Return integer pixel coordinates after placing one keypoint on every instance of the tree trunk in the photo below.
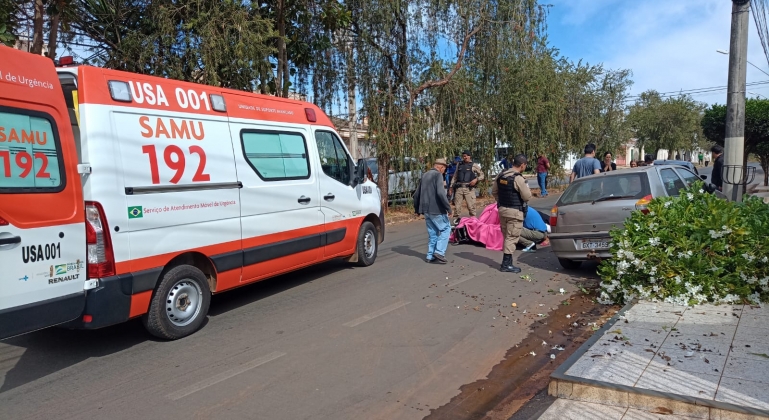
(351, 103)
(53, 35)
(281, 47)
(38, 22)
(765, 166)
(383, 179)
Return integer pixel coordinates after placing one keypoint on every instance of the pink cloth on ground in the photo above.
(484, 229)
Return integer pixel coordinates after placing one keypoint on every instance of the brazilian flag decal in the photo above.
(135, 212)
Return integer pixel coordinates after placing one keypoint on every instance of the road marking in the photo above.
(375, 314)
(224, 376)
(465, 278)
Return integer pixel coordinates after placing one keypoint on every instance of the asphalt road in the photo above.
(394, 340)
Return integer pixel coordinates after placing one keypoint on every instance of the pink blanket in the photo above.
(484, 229)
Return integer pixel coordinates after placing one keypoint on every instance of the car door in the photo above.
(340, 202)
(672, 183)
(42, 216)
(280, 207)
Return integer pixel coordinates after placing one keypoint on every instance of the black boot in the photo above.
(507, 265)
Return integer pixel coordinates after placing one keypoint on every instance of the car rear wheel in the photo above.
(180, 303)
(569, 264)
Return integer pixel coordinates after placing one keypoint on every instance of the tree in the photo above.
(216, 42)
(671, 123)
(756, 130)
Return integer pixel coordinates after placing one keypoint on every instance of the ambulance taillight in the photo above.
(100, 258)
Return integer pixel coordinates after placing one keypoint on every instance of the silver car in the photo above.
(591, 206)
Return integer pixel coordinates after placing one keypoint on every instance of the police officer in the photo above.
(512, 195)
(466, 176)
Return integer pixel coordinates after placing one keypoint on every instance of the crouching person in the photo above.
(512, 194)
(534, 230)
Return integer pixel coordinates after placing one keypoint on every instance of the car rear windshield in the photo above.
(629, 186)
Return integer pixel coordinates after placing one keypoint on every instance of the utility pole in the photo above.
(734, 149)
(351, 100)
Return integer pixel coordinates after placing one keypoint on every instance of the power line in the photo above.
(697, 91)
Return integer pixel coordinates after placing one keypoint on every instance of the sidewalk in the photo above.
(655, 360)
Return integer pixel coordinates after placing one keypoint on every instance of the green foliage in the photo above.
(756, 129)
(672, 123)
(691, 249)
(216, 42)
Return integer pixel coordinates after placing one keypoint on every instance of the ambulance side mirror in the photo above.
(359, 173)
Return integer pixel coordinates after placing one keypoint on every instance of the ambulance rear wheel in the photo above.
(367, 244)
(180, 303)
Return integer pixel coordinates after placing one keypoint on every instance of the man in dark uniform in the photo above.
(512, 194)
(463, 183)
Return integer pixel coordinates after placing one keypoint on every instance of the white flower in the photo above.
(701, 191)
(654, 241)
(653, 270)
(765, 260)
(668, 203)
(651, 213)
(690, 196)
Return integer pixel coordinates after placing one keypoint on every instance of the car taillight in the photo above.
(642, 204)
(100, 258)
(554, 216)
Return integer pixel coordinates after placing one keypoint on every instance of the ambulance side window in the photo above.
(276, 156)
(333, 157)
(30, 156)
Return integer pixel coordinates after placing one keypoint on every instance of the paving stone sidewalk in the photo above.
(660, 361)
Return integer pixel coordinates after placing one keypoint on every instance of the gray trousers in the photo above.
(529, 237)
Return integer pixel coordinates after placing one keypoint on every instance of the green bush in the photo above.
(691, 249)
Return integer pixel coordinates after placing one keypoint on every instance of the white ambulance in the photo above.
(124, 196)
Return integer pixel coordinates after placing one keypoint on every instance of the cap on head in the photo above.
(467, 152)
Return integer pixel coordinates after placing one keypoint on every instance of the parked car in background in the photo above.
(591, 206)
(404, 175)
(684, 163)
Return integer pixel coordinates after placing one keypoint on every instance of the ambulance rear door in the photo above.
(42, 218)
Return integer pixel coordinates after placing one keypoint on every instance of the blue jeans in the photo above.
(541, 176)
(438, 230)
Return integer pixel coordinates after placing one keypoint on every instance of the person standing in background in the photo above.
(716, 178)
(607, 164)
(700, 158)
(430, 200)
(586, 166)
(543, 166)
(466, 177)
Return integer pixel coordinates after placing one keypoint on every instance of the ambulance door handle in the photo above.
(303, 200)
(329, 197)
(10, 241)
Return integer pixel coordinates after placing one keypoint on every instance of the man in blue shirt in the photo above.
(534, 230)
(586, 166)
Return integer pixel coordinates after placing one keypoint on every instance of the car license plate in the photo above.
(594, 244)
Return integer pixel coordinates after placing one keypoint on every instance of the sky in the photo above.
(668, 45)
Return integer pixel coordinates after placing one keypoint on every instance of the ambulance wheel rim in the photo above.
(369, 244)
(183, 302)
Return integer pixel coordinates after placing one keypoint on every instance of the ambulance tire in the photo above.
(180, 303)
(367, 244)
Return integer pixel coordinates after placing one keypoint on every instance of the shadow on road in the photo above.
(53, 349)
(246, 295)
(478, 258)
(407, 251)
(48, 351)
